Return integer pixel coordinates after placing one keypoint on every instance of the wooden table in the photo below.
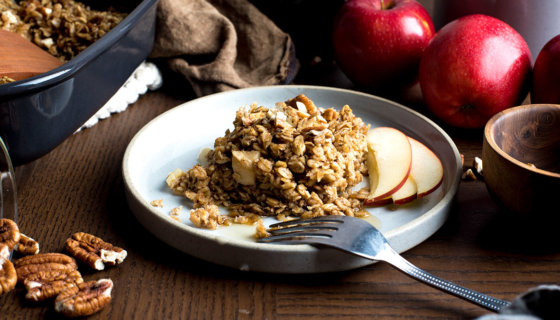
(79, 187)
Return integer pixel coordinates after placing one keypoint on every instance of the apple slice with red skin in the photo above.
(408, 190)
(378, 203)
(426, 170)
(389, 162)
(426, 174)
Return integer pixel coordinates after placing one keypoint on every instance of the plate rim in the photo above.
(448, 196)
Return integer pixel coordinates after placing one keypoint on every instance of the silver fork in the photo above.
(360, 238)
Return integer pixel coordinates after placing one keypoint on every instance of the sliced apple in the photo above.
(243, 163)
(407, 192)
(389, 162)
(426, 170)
(378, 202)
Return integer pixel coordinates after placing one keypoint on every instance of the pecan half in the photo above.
(84, 299)
(4, 252)
(8, 277)
(49, 283)
(9, 233)
(27, 245)
(43, 262)
(94, 251)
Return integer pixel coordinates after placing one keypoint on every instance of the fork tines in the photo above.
(301, 229)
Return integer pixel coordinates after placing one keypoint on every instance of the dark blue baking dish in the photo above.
(38, 113)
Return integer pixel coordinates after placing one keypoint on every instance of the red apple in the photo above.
(546, 74)
(378, 44)
(473, 68)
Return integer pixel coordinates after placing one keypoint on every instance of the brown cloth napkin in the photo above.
(219, 45)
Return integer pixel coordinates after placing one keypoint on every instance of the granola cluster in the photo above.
(6, 79)
(292, 160)
(64, 28)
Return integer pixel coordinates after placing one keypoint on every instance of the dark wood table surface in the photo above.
(79, 187)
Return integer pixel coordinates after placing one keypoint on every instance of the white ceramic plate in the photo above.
(175, 138)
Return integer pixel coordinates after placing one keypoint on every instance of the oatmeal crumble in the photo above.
(208, 217)
(174, 213)
(294, 160)
(157, 203)
(6, 79)
(261, 231)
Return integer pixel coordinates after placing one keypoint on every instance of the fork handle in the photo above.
(485, 301)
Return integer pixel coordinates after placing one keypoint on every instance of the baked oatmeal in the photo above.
(64, 28)
(292, 160)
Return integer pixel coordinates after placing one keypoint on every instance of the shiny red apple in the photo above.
(473, 68)
(378, 44)
(546, 74)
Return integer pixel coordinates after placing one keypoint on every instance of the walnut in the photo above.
(48, 284)
(9, 233)
(94, 251)
(309, 105)
(330, 114)
(29, 265)
(84, 299)
(27, 245)
(8, 276)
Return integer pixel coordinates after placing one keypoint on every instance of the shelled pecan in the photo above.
(27, 245)
(4, 251)
(8, 277)
(48, 284)
(84, 299)
(9, 233)
(43, 262)
(93, 251)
